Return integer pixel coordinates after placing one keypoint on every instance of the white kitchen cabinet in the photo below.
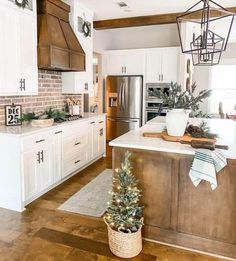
(101, 136)
(80, 82)
(38, 167)
(124, 63)
(44, 158)
(93, 141)
(170, 64)
(18, 51)
(154, 66)
(46, 164)
(162, 65)
(28, 54)
(97, 142)
(31, 171)
(75, 148)
(57, 151)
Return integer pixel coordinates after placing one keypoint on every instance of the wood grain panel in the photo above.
(143, 20)
(179, 213)
(207, 213)
(154, 172)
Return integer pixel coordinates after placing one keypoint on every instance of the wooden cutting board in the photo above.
(163, 135)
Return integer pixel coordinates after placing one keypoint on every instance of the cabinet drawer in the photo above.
(74, 162)
(36, 140)
(79, 129)
(75, 143)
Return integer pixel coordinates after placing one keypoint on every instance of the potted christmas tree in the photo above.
(180, 103)
(124, 214)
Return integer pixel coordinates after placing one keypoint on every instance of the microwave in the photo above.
(150, 87)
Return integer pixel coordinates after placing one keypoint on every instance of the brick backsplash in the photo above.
(50, 95)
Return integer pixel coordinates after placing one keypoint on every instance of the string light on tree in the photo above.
(124, 213)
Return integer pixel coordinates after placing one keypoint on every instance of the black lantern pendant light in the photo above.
(204, 32)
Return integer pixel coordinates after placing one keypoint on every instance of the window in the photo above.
(223, 84)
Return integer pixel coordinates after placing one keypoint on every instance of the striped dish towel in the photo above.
(206, 165)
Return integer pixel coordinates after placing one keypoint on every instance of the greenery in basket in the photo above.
(179, 99)
(57, 115)
(124, 213)
(202, 131)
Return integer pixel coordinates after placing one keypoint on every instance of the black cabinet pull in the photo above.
(101, 132)
(39, 141)
(24, 84)
(92, 122)
(77, 161)
(57, 132)
(38, 159)
(100, 121)
(77, 143)
(42, 156)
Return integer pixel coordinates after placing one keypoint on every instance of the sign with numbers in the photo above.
(13, 113)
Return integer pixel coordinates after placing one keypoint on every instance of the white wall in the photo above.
(136, 37)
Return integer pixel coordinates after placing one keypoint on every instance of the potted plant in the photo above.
(124, 214)
(180, 103)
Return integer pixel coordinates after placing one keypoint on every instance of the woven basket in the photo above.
(124, 245)
(42, 123)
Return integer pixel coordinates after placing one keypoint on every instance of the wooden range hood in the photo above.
(58, 46)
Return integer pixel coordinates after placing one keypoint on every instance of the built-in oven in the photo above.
(150, 87)
(154, 106)
(154, 110)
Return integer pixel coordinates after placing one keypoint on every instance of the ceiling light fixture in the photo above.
(204, 32)
(122, 4)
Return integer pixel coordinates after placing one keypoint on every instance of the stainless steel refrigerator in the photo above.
(123, 104)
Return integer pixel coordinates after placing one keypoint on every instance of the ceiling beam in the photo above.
(143, 20)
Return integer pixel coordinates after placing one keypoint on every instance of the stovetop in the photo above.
(70, 118)
(73, 117)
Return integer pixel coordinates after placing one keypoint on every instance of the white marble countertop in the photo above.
(28, 129)
(226, 129)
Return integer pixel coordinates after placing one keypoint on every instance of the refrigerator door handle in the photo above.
(123, 97)
(126, 121)
(120, 97)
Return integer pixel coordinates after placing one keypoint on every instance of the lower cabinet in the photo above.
(57, 153)
(101, 134)
(50, 157)
(93, 141)
(38, 170)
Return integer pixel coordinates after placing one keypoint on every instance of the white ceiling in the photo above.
(108, 9)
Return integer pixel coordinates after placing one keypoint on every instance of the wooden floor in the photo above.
(44, 233)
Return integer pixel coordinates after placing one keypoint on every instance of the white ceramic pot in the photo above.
(176, 122)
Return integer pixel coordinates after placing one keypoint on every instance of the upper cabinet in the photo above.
(18, 50)
(162, 65)
(124, 63)
(80, 82)
(157, 65)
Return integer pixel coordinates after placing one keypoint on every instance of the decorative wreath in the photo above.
(21, 3)
(86, 28)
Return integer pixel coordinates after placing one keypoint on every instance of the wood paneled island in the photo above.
(176, 212)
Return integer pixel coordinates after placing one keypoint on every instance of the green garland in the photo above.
(21, 4)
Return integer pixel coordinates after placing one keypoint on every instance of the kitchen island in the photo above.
(176, 212)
